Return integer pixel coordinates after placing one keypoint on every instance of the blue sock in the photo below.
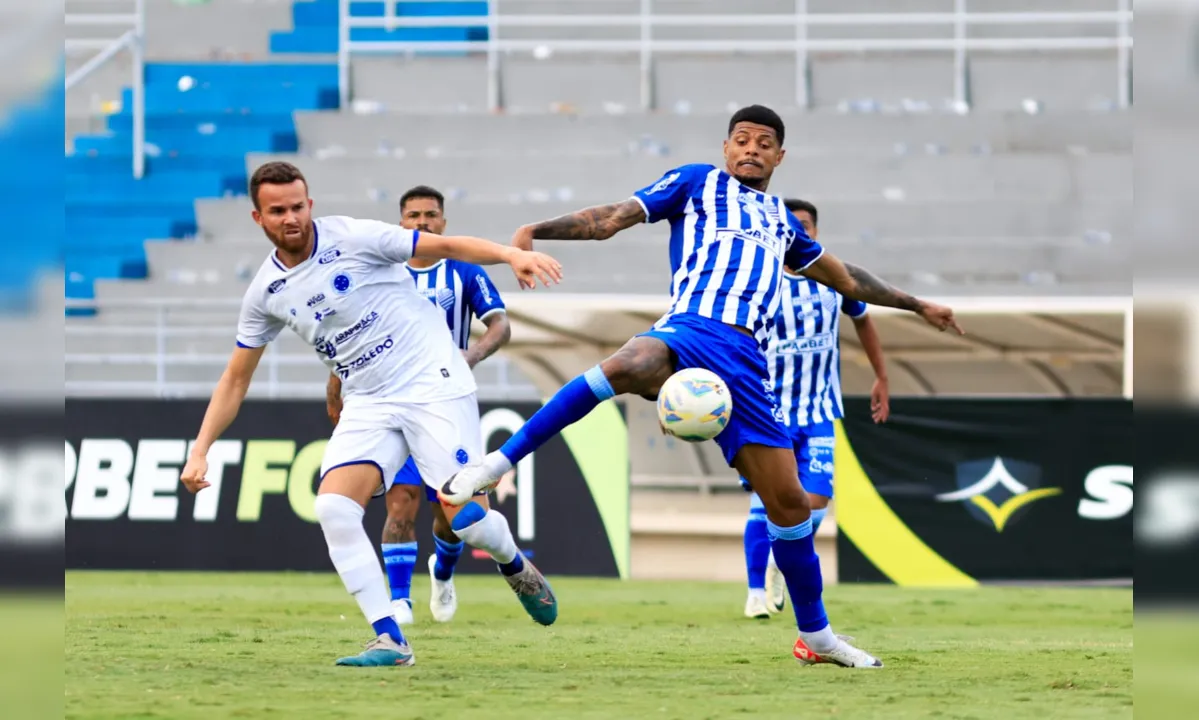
(795, 555)
(399, 558)
(447, 557)
(757, 548)
(510, 569)
(817, 518)
(388, 626)
(569, 405)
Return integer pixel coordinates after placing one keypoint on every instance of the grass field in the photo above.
(143, 645)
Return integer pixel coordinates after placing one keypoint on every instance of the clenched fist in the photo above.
(194, 472)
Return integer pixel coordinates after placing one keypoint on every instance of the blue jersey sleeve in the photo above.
(803, 250)
(482, 295)
(853, 308)
(668, 195)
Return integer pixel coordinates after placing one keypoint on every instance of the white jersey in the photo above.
(354, 302)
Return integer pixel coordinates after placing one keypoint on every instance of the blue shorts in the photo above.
(700, 342)
(409, 475)
(813, 445)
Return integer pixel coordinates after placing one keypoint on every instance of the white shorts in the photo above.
(442, 437)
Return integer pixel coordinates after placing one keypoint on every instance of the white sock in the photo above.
(496, 464)
(759, 593)
(821, 641)
(492, 534)
(353, 554)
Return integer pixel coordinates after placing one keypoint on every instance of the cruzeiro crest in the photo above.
(994, 490)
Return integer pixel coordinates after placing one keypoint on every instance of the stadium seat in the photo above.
(202, 119)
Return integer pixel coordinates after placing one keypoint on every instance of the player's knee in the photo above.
(818, 502)
(787, 506)
(635, 370)
(338, 515)
(403, 501)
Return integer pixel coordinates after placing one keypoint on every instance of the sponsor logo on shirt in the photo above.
(318, 298)
(346, 369)
(276, 286)
(664, 183)
(827, 299)
(767, 241)
(484, 290)
(815, 343)
(326, 348)
(356, 328)
(328, 256)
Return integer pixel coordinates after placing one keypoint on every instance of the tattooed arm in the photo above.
(861, 284)
(594, 223)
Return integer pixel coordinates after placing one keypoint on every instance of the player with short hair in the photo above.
(337, 283)
(729, 240)
(460, 290)
(804, 358)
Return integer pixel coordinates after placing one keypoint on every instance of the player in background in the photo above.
(337, 283)
(804, 357)
(460, 290)
(728, 242)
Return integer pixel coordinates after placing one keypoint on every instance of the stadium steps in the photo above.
(202, 119)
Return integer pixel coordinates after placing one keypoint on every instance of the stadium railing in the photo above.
(154, 318)
(159, 318)
(133, 40)
(801, 45)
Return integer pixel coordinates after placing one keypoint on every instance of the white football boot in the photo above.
(443, 599)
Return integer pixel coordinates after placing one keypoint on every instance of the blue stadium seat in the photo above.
(197, 141)
(315, 25)
(198, 133)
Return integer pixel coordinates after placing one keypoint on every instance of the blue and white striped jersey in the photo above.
(728, 244)
(804, 354)
(460, 289)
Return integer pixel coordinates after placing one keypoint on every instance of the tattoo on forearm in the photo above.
(593, 223)
(872, 289)
(397, 530)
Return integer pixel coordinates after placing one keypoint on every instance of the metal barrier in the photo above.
(157, 324)
(133, 40)
(1120, 19)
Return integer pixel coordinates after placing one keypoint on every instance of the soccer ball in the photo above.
(694, 405)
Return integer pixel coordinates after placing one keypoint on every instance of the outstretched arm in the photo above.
(861, 284)
(528, 266)
(594, 223)
(222, 409)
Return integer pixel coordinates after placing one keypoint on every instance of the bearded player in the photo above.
(459, 290)
(337, 282)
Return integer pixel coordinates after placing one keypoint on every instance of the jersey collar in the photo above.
(316, 241)
(431, 268)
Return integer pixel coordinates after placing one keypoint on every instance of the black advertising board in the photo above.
(956, 492)
(127, 510)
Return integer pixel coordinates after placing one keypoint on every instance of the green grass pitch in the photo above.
(193, 645)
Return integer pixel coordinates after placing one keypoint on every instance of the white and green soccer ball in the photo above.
(694, 405)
